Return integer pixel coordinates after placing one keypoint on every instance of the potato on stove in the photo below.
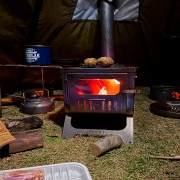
(105, 61)
(90, 62)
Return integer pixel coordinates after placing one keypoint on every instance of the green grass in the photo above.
(153, 136)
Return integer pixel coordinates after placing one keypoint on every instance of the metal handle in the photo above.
(131, 91)
(66, 90)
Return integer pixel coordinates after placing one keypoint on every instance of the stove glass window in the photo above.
(97, 86)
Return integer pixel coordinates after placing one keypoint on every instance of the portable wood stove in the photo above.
(99, 94)
(103, 96)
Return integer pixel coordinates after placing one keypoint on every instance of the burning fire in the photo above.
(98, 86)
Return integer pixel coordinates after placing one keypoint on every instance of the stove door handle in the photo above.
(66, 91)
(130, 91)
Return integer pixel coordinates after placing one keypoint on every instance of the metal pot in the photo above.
(40, 105)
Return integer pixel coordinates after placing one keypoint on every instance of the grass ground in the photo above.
(153, 136)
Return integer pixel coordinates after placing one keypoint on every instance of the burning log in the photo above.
(105, 144)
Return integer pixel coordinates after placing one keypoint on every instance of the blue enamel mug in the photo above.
(38, 54)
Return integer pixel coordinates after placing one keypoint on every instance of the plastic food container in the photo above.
(63, 171)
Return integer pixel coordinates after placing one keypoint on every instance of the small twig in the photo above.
(167, 157)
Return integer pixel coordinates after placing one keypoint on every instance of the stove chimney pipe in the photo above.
(106, 18)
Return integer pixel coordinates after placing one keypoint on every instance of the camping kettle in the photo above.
(40, 105)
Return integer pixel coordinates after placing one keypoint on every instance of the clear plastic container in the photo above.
(63, 171)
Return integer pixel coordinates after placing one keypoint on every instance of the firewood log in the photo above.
(26, 140)
(17, 125)
(105, 144)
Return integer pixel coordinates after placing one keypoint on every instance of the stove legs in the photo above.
(127, 134)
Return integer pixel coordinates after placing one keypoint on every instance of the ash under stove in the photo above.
(99, 101)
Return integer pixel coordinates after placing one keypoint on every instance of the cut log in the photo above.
(105, 144)
(17, 125)
(26, 140)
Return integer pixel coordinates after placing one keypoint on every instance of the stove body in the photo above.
(99, 93)
(99, 90)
